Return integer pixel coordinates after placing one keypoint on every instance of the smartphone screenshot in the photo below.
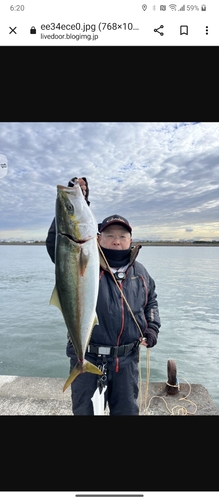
(109, 23)
(100, 23)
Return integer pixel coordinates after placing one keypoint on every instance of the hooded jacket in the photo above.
(116, 324)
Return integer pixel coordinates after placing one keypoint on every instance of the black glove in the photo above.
(151, 336)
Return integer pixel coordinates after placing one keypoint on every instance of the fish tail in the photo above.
(81, 368)
(74, 373)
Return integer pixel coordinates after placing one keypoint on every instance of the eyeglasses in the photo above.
(112, 237)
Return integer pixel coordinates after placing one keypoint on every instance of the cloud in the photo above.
(164, 177)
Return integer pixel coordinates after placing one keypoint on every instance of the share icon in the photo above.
(157, 30)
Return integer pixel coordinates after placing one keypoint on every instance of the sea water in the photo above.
(33, 335)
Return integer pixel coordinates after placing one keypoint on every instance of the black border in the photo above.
(109, 83)
(109, 454)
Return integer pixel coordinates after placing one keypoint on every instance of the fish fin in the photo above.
(55, 299)
(86, 367)
(89, 367)
(83, 261)
(96, 322)
(74, 373)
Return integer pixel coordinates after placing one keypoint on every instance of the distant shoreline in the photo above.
(143, 243)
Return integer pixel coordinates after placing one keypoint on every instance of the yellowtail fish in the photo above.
(76, 272)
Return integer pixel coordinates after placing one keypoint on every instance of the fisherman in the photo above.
(127, 312)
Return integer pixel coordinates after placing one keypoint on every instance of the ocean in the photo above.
(33, 335)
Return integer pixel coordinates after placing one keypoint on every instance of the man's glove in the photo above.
(151, 337)
(84, 186)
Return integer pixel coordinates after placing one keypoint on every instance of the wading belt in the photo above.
(114, 351)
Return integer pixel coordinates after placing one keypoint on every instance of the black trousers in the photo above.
(122, 387)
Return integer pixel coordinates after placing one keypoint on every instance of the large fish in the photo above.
(76, 272)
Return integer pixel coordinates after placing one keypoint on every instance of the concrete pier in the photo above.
(44, 396)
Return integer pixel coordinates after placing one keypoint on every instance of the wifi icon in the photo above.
(173, 6)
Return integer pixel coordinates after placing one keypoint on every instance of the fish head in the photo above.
(73, 216)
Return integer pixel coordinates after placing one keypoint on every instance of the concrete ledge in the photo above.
(44, 396)
(33, 396)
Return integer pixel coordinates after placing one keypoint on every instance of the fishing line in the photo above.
(134, 318)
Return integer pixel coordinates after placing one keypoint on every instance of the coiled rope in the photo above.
(181, 410)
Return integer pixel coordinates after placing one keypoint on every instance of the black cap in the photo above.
(114, 219)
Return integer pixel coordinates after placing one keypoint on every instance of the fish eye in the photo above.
(70, 207)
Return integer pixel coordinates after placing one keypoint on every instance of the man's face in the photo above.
(115, 237)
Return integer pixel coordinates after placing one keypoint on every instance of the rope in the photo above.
(170, 385)
(181, 409)
(134, 318)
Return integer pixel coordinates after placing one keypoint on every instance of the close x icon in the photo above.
(13, 30)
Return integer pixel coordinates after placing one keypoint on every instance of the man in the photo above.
(127, 311)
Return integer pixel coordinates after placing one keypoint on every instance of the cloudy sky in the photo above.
(162, 176)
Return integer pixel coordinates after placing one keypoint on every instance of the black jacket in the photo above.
(51, 240)
(116, 325)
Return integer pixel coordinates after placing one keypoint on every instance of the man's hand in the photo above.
(151, 337)
(84, 186)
